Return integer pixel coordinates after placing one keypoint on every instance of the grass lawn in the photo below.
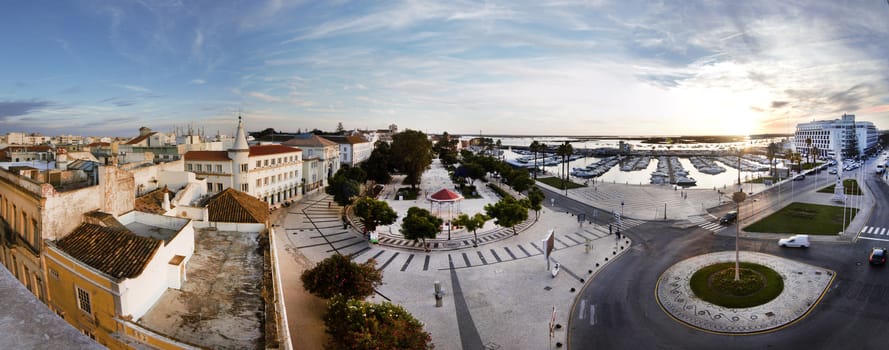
(716, 284)
(850, 186)
(557, 182)
(408, 194)
(760, 180)
(469, 192)
(804, 218)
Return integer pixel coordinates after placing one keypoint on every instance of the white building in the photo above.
(272, 173)
(828, 136)
(327, 152)
(353, 149)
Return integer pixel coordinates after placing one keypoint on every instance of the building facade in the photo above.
(272, 173)
(35, 206)
(327, 152)
(353, 149)
(829, 136)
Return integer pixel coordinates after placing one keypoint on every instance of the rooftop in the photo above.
(116, 252)
(220, 305)
(232, 205)
(310, 141)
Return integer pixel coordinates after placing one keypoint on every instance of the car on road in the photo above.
(799, 177)
(796, 241)
(729, 217)
(832, 171)
(877, 256)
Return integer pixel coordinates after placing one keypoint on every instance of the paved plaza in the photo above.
(500, 294)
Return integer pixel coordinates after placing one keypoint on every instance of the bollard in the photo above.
(439, 293)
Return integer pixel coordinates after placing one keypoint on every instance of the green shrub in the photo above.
(356, 324)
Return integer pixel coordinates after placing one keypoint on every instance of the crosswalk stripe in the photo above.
(868, 229)
(883, 231)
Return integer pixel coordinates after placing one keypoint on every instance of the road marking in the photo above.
(867, 229)
(582, 308)
(875, 239)
(883, 231)
(592, 314)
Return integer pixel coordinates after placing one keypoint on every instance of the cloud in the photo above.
(21, 107)
(197, 82)
(264, 97)
(779, 104)
(135, 88)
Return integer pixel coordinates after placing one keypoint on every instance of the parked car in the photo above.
(799, 177)
(795, 241)
(729, 217)
(877, 256)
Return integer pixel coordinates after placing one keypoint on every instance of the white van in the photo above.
(880, 168)
(795, 241)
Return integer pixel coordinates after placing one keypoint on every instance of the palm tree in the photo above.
(534, 148)
(796, 157)
(770, 154)
(565, 150)
(808, 149)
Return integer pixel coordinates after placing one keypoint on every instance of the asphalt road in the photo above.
(854, 311)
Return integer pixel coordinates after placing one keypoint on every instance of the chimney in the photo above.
(166, 201)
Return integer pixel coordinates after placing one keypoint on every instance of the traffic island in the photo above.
(754, 306)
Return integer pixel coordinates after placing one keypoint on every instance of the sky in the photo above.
(561, 67)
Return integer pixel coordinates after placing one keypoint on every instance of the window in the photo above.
(258, 183)
(266, 162)
(265, 180)
(273, 161)
(244, 167)
(244, 188)
(218, 168)
(197, 167)
(219, 187)
(258, 164)
(189, 167)
(83, 301)
(210, 186)
(54, 274)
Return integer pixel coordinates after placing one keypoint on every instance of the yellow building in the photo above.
(109, 271)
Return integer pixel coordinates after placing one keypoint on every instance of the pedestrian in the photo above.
(609, 229)
(328, 204)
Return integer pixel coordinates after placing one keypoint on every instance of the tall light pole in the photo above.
(738, 197)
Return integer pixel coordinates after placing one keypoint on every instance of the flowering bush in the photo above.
(338, 275)
(356, 324)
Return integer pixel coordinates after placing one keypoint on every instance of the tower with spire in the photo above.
(239, 154)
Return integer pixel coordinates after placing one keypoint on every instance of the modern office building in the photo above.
(829, 136)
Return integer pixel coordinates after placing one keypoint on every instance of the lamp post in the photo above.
(738, 197)
(620, 223)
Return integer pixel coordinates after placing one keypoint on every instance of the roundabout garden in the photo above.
(716, 284)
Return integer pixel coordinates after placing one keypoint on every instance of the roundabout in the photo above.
(701, 292)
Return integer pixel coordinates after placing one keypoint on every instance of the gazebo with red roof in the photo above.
(444, 196)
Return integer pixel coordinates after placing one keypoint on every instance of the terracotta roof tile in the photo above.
(446, 195)
(345, 139)
(116, 252)
(217, 156)
(263, 150)
(140, 138)
(312, 141)
(232, 205)
(153, 202)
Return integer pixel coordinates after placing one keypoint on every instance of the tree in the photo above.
(472, 223)
(446, 148)
(535, 199)
(355, 173)
(411, 153)
(373, 213)
(771, 151)
(535, 147)
(508, 212)
(808, 149)
(339, 128)
(565, 151)
(474, 171)
(338, 275)
(342, 188)
(796, 157)
(357, 324)
(420, 224)
(377, 166)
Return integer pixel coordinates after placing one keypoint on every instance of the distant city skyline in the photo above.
(600, 67)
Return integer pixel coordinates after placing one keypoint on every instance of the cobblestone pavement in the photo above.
(804, 285)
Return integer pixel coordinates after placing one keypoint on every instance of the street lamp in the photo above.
(620, 222)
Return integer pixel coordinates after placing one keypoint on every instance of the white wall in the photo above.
(139, 294)
(175, 179)
(232, 226)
